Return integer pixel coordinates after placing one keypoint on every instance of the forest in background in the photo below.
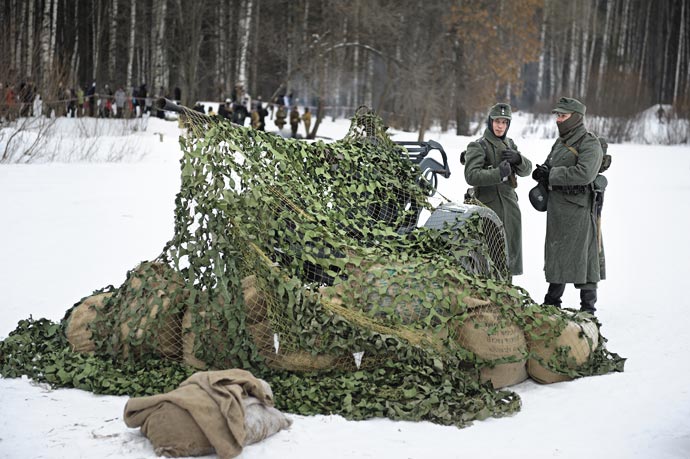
(414, 62)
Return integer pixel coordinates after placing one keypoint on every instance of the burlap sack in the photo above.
(77, 330)
(210, 412)
(189, 343)
(476, 335)
(286, 359)
(166, 340)
(256, 309)
(173, 433)
(575, 335)
(256, 303)
(261, 421)
(150, 305)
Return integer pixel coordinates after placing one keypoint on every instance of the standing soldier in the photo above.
(572, 253)
(281, 114)
(306, 118)
(294, 121)
(491, 164)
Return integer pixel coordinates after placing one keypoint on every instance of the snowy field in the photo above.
(68, 228)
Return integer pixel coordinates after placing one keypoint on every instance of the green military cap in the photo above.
(568, 105)
(500, 111)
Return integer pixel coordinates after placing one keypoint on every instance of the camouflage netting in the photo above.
(303, 263)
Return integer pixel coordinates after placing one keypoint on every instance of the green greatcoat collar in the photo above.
(574, 135)
(499, 144)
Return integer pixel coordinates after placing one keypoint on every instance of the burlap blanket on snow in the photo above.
(206, 413)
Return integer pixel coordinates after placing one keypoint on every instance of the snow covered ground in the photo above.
(70, 228)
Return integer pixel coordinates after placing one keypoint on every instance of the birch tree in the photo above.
(112, 35)
(158, 52)
(53, 33)
(679, 62)
(245, 28)
(132, 38)
(604, 49)
(30, 39)
(45, 40)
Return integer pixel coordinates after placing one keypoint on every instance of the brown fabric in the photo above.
(477, 334)
(213, 399)
(174, 433)
(261, 421)
(77, 331)
(575, 336)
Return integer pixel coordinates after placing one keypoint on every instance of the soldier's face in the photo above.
(560, 117)
(499, 125)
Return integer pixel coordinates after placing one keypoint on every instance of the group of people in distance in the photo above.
(573, 251)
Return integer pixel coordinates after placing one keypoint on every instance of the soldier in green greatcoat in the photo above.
(572, 253)
(491, 165)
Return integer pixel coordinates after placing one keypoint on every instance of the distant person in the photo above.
(120, 99)
(294, 121)
(491, 166)
(223, 110)
(142, 98)
(239, 113)
(91, 99)
(210, 111)
(573, 247)
(263, 114)
(80, 101)
(10, 102)
(306, 119)
(254, 116)
(71, 103)
(281, 117)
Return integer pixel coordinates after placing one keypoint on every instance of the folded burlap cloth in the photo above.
(213, 399)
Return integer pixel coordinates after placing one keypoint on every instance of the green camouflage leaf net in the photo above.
(303, 263)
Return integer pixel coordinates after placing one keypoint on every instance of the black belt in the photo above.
(571, 189)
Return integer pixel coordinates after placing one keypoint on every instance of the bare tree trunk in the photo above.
(542, 56)
(245, 28)
(20, 38)
(10, 33)
(664, 70)
(158, 57)
(304, 90)
(112, 50)
(572, 60)
(679, 61)
(355, 60)
(622, 35)
(590, 59)
(96, 39)
(220, 53)
(584, 68)
(75, 51)
(368, 83)
(255, 48)
(604, 49)
(45, 41)
(643, 53)
(132, 37)
(53, 33)
(30, 40)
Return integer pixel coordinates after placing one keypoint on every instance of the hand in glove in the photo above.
(504, 169)
(541, 174)
(512, 156)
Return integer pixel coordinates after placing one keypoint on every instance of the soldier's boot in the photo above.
(554, 294)
(588, 297)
